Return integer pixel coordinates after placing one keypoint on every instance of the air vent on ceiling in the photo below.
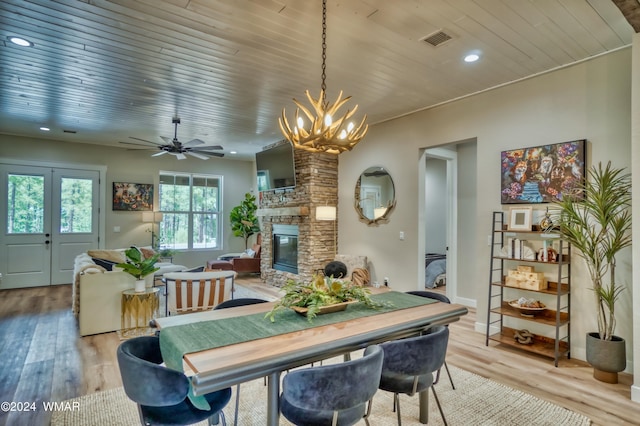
(437, 38)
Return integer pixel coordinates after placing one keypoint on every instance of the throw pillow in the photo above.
(112, 255)
(106, 264)
(147, 253)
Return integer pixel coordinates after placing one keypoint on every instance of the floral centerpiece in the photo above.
(319, 293)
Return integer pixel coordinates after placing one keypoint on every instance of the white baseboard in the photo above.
(635, 393)
(471, 303)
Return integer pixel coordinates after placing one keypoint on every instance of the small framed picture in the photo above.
(520, 219)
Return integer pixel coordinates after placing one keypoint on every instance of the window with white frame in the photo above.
(192, 211)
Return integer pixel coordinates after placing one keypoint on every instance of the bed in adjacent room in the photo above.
(435, 270)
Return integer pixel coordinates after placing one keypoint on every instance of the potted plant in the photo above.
(599, 227)
(311, 299)
(244, 222)
(139, 267)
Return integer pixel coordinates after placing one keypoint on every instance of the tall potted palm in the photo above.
(244, 222)
(599, 227)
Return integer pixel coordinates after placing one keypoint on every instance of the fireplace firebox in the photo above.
(285, 248)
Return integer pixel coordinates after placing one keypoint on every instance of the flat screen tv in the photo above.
(276, 168)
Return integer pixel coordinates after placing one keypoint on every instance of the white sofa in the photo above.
(97, 293)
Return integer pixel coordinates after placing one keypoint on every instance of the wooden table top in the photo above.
(244, 361)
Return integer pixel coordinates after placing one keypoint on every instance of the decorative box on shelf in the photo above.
(526, 278)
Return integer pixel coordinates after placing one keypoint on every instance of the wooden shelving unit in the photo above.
(557, 342)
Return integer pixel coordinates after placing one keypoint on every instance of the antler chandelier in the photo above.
(325, 133)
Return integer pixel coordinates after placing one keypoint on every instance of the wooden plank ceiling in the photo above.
(112, 70)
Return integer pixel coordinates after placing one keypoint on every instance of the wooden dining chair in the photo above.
(189, 292)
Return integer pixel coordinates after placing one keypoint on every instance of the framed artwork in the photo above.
(542, 174)
(519, 219)
(132, 196)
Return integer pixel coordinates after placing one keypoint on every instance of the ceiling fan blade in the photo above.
(168, 140)
(157, 154)
(136, 144)
(193, 142)
(180, 156)
(195, 154)
(209, 148)
(144, 140)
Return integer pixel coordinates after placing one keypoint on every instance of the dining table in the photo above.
(222, 348)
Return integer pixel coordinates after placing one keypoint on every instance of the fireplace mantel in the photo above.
(284, 211)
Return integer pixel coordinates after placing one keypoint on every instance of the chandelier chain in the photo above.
(324, 45)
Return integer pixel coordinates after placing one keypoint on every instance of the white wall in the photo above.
(589, 101)
(139, 167)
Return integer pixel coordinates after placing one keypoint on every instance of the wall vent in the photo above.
(438, 38)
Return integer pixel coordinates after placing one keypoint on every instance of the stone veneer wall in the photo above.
(316, 185)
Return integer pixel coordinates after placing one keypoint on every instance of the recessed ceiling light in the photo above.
(20, 41)
(44, 129)
(471, 57)
(233, 152)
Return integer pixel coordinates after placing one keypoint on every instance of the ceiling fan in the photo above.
(179, 149)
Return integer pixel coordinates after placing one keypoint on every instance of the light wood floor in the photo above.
(43, 359)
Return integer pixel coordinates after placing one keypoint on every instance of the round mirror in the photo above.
(375, 196)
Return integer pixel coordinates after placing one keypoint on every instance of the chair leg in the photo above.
(396, 402)
(446, 367)
(435, 395)
(366, 415)
(215, 419)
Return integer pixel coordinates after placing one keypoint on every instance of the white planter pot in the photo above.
(141, 286)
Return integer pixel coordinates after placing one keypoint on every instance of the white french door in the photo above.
(48, 216)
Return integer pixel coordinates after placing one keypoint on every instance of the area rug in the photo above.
(475, 401)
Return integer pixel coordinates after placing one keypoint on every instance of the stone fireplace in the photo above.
(316, 185)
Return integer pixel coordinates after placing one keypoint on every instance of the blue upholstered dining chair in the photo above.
(160, 392)
(334, 394)
(409, 364)
(444, 299)
(232, 303)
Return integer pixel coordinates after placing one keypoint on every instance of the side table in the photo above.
(137, 310)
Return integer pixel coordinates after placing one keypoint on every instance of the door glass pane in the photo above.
(75, 205)
(25, 204)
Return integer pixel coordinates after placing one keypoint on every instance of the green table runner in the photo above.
(179, 340)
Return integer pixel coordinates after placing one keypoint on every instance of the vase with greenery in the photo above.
(244, 222)
(598, 224)
(139, 267)
(320, 292)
